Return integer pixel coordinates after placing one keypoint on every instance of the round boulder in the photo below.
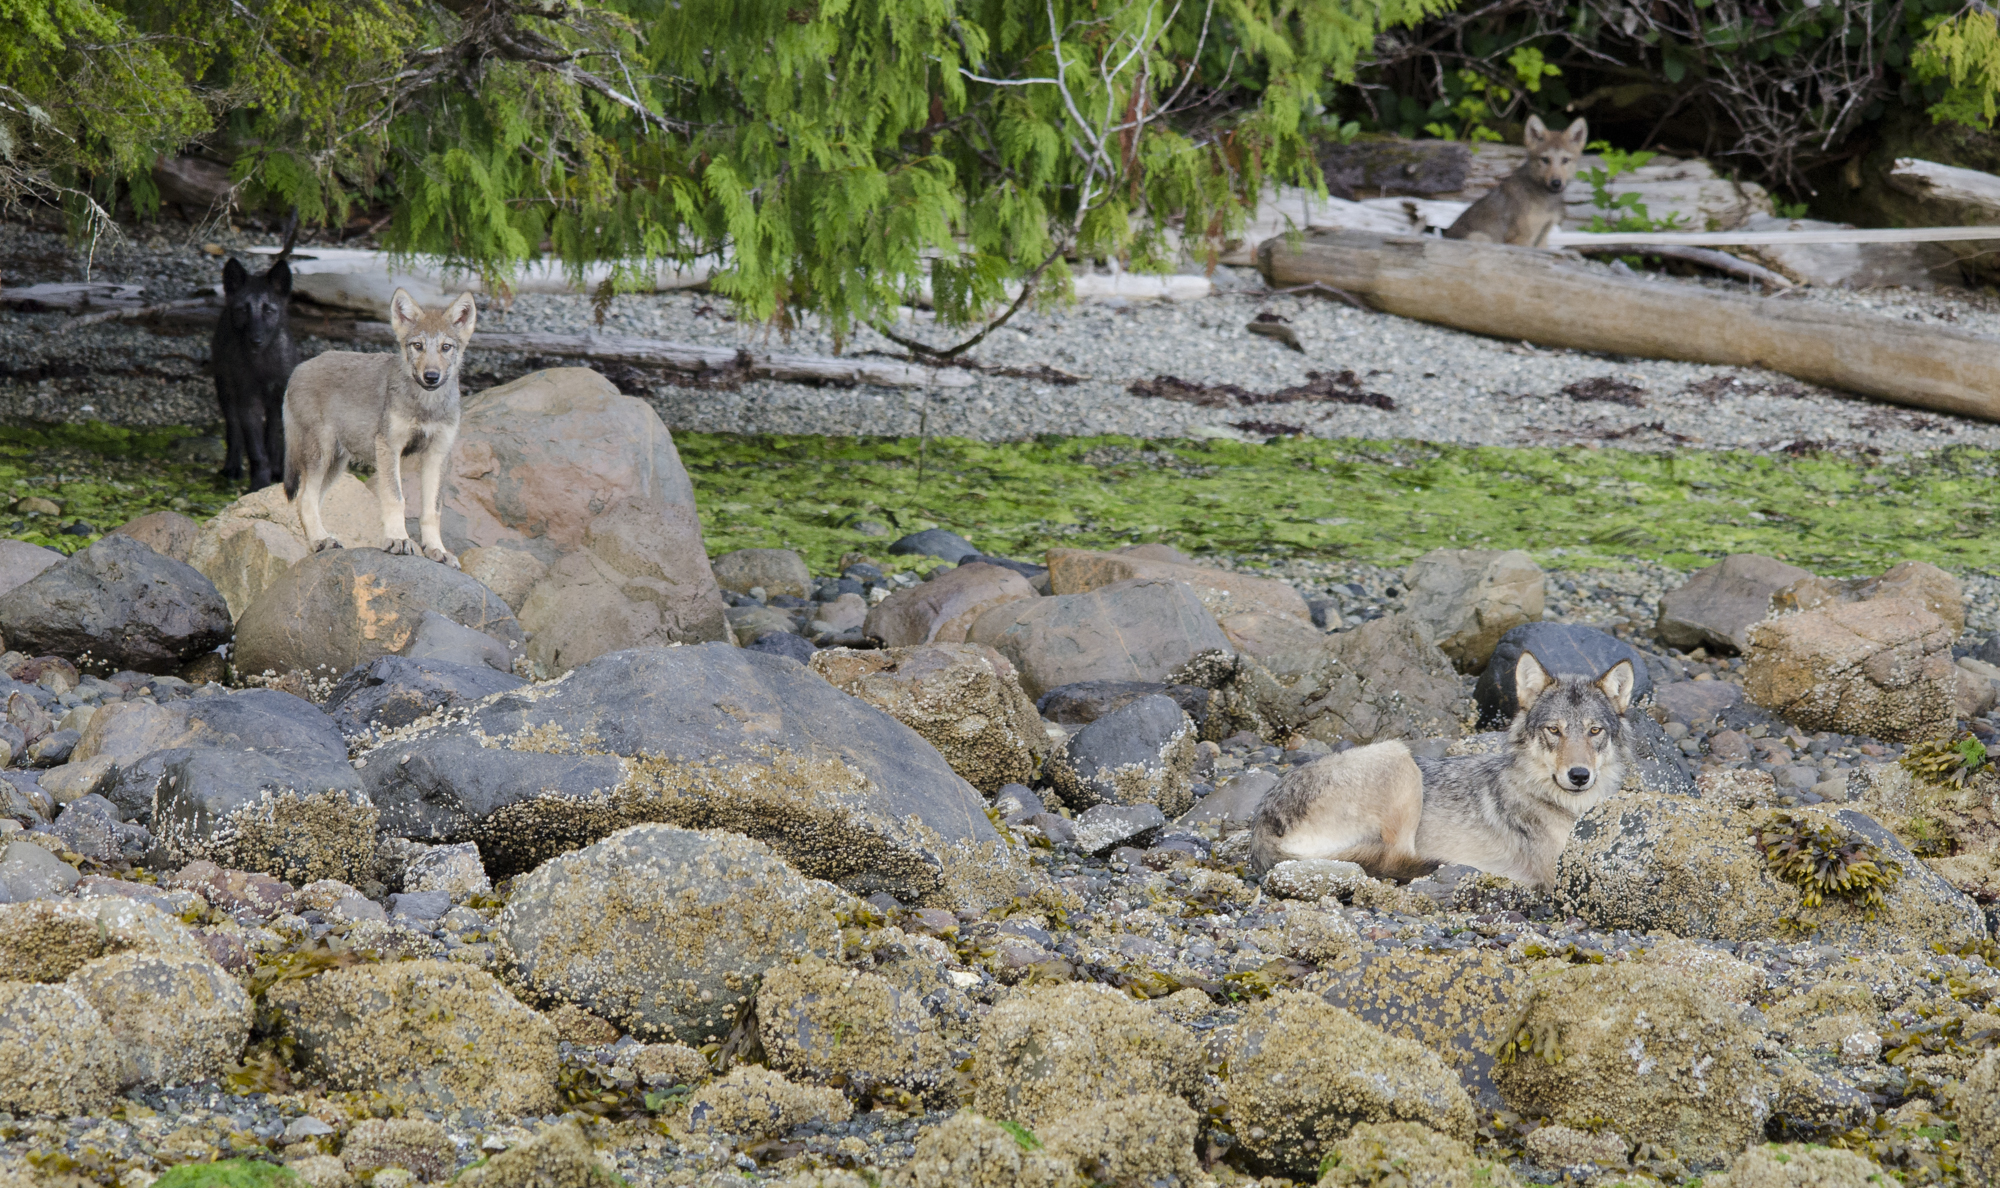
(1303, 1075)
(344, 607)
(445, 1034)
(116, 605)
(1142, 753)
(56, 1056)
(1651, 1049)
(665, 932)
(1048, 1052)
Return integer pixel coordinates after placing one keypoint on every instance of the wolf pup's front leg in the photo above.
(436, 453)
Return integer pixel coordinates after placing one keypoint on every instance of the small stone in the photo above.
(1099, 829)
(1312, 879)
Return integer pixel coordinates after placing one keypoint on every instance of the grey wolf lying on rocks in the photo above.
(1508, 813)
(388, 407)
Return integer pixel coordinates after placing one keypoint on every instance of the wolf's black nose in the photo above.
(432, 377)
(1578, 776)
(1555, 187)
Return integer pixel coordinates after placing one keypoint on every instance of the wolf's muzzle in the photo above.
(1576, 779)
(1557, 187)
(431, 379)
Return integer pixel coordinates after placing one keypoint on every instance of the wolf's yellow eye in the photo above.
(1555, 730)
(1596, 730)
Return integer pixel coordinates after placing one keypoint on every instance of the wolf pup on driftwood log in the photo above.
(389, 407)
(1527, 206)
(1507, 814)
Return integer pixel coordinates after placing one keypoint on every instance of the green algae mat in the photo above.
(1378, 502)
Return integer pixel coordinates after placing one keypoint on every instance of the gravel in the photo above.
(1446, 386)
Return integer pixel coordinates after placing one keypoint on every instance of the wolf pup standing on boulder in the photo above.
(1527, 206)
(346, 403)
(253, 357)
(1507, 814)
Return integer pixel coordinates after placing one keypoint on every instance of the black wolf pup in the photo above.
(254, 356)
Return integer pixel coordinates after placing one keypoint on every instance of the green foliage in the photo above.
(230, 1173)
(1962, 52)
(841, 154)
(1023, 1137)
(1620, 212)
(1776, 86)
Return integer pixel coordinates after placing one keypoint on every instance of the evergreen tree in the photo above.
(840, 153)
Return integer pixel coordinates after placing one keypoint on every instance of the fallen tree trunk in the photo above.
(1524, 294)
(678, 356)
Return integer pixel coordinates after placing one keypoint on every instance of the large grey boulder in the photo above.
(266, 721)
(539, 458)
(342, 607)
(641, 580)
(255, 780)
(1142, 753)
(1717, 606)
(708, 736)
(287, 814)
(1137, 630)
(1564, 650)
(116, 605)
(1469, 598)
(665, 932)
(393, 691)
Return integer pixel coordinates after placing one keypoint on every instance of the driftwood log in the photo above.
(678, 356)
(1523, 294)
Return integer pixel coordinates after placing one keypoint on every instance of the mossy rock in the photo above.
(1694, 867)
(1303, 1074)
(1651, 1048)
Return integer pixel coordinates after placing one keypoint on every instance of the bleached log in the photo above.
(71, 297)
(1947, 183)
(1524, 294)
(680, 356)
(1709, 258)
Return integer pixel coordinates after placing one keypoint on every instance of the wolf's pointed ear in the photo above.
(404, 311)
(463, 313)
(1536, 133)
(1578, 133)
(280, 277)
(1530, 678)
(233, 275)
(1617, 684)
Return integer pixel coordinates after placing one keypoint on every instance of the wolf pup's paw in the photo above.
(443, 557)
(401, 548)
(322, 545)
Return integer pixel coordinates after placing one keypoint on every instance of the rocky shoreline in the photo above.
(602, 856)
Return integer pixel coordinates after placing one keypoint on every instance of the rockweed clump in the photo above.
(1823, 864)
